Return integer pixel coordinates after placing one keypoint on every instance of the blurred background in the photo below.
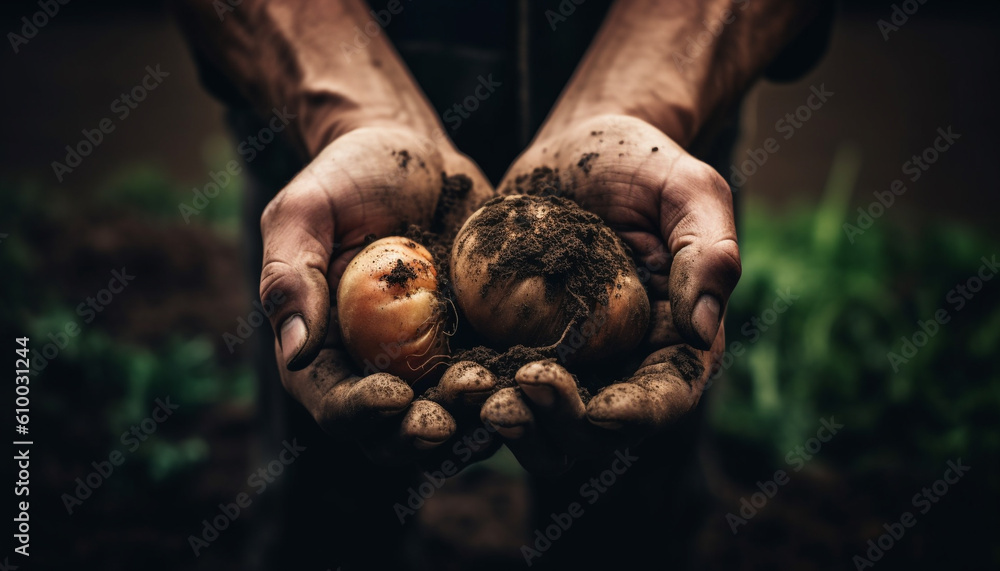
(859, 294)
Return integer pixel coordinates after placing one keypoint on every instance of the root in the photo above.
(443, 358)
(574, 322)
(453, 316)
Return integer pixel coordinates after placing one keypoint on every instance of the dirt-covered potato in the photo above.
(391, 314)
(543, 272)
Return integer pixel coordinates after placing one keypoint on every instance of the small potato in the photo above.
(391, 315)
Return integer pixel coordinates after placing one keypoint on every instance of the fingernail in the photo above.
(293, 337)
(542, 395)
(511, 432)
(705, 318)
(422, 444)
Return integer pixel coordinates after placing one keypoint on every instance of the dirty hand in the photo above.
(676, 214)
(372, 180)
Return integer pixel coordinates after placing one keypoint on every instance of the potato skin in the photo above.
(390, 312)
(614, 328)
(517, 312)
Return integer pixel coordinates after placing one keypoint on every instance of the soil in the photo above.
(574, 252)
(400, 275)
(543, 181)
(404, 158)
(454, 189)
(584, 162)
(437, 239)
(505, 365)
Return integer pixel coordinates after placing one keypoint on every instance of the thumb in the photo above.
(298, 243)
(705, 262)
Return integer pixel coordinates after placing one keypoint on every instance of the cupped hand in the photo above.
(373, 180)
(676, 214)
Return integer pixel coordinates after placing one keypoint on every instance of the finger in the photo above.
(426, 425)
(652, 261)
(465, 383)
(551, 389)
(559, 410)
(408, 438)
(298, 245)
(662, 331)
(471, 443)
(697, 224)
(509, 413)
(667, 386)
(368, 399)
(375, 411)
(336, 397)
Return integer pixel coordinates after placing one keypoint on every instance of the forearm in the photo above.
(676, 64)
(309, 58)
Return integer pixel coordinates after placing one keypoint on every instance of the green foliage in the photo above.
(102, 380)
(117, 384)
(828, 353)
(147, 190)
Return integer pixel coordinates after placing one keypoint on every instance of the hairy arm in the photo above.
(357, 111)
(315, 58)
(677, 64)
(653, 81)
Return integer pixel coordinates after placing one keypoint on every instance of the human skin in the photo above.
(352, 112)
(638, 100)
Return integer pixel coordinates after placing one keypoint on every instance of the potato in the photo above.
(542, 272)
(392, 318)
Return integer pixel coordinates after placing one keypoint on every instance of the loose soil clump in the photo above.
(400, 275)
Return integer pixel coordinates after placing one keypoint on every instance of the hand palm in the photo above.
(370, 181)
(675, 213)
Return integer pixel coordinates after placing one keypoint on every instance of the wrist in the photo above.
(665, 106)
(677, 65)
(304, 59)
(322, 117)
(323, 126)
(678, 120)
